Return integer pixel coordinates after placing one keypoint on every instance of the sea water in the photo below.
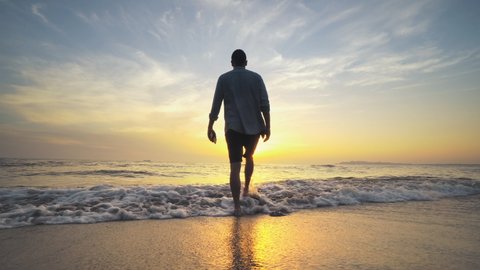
(85, 191)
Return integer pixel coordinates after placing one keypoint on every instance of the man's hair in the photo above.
(239, 58)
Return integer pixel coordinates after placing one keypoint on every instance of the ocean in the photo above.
(38, 191)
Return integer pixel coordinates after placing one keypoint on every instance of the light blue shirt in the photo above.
(245, 97)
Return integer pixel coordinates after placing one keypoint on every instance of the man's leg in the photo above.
(250, 145)
(249, 166)
(235, 186)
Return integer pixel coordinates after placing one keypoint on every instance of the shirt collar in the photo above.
(238, 67)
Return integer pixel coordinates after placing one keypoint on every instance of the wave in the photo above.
(119, 173)
(322, 166)
(23, 206)
(8, 162)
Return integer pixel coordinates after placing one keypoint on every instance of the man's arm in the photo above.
(213, 116)
(265, 109)
(210, 132)
(266, 134)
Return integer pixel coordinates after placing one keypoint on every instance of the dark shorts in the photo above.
(237, 141)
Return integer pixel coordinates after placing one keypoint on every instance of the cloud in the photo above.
(382, 68)
(37, 11)
(360, 47)
(91, 18)
(300, 74)
(220, 4)
(103, 92)
(360, 68)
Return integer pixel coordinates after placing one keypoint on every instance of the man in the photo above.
(247, 117)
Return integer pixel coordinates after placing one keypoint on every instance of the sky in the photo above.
(392, 81)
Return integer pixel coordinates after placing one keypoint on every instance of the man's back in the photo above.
(245, 98)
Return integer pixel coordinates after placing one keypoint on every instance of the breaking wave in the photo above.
(23, 206)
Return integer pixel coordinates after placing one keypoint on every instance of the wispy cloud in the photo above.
(91, 18)
(360, 68)
(37, 11)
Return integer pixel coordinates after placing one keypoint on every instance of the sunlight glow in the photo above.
(346, 81)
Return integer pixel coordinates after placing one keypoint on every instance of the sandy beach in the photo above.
(412, 235)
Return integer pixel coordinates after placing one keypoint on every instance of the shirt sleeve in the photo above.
(217, 101)
(264, 102)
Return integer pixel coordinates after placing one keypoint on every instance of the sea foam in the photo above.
(22, 206)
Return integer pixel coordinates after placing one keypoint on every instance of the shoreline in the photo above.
(439, 234)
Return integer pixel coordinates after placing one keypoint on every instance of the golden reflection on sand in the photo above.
(242, 241)
(256, 242)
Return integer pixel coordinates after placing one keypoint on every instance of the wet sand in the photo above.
(440, 234)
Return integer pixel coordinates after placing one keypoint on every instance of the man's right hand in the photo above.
(212, 136)
(266, 135)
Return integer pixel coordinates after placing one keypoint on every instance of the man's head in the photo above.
(239, 58)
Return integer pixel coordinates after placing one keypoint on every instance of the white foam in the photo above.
(20, 206)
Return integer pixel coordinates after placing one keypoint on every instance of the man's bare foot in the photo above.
(237, 212)
(253, 194)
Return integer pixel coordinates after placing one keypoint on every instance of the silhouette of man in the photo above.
(247, 117)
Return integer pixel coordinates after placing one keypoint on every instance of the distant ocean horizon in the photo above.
(59, 191)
